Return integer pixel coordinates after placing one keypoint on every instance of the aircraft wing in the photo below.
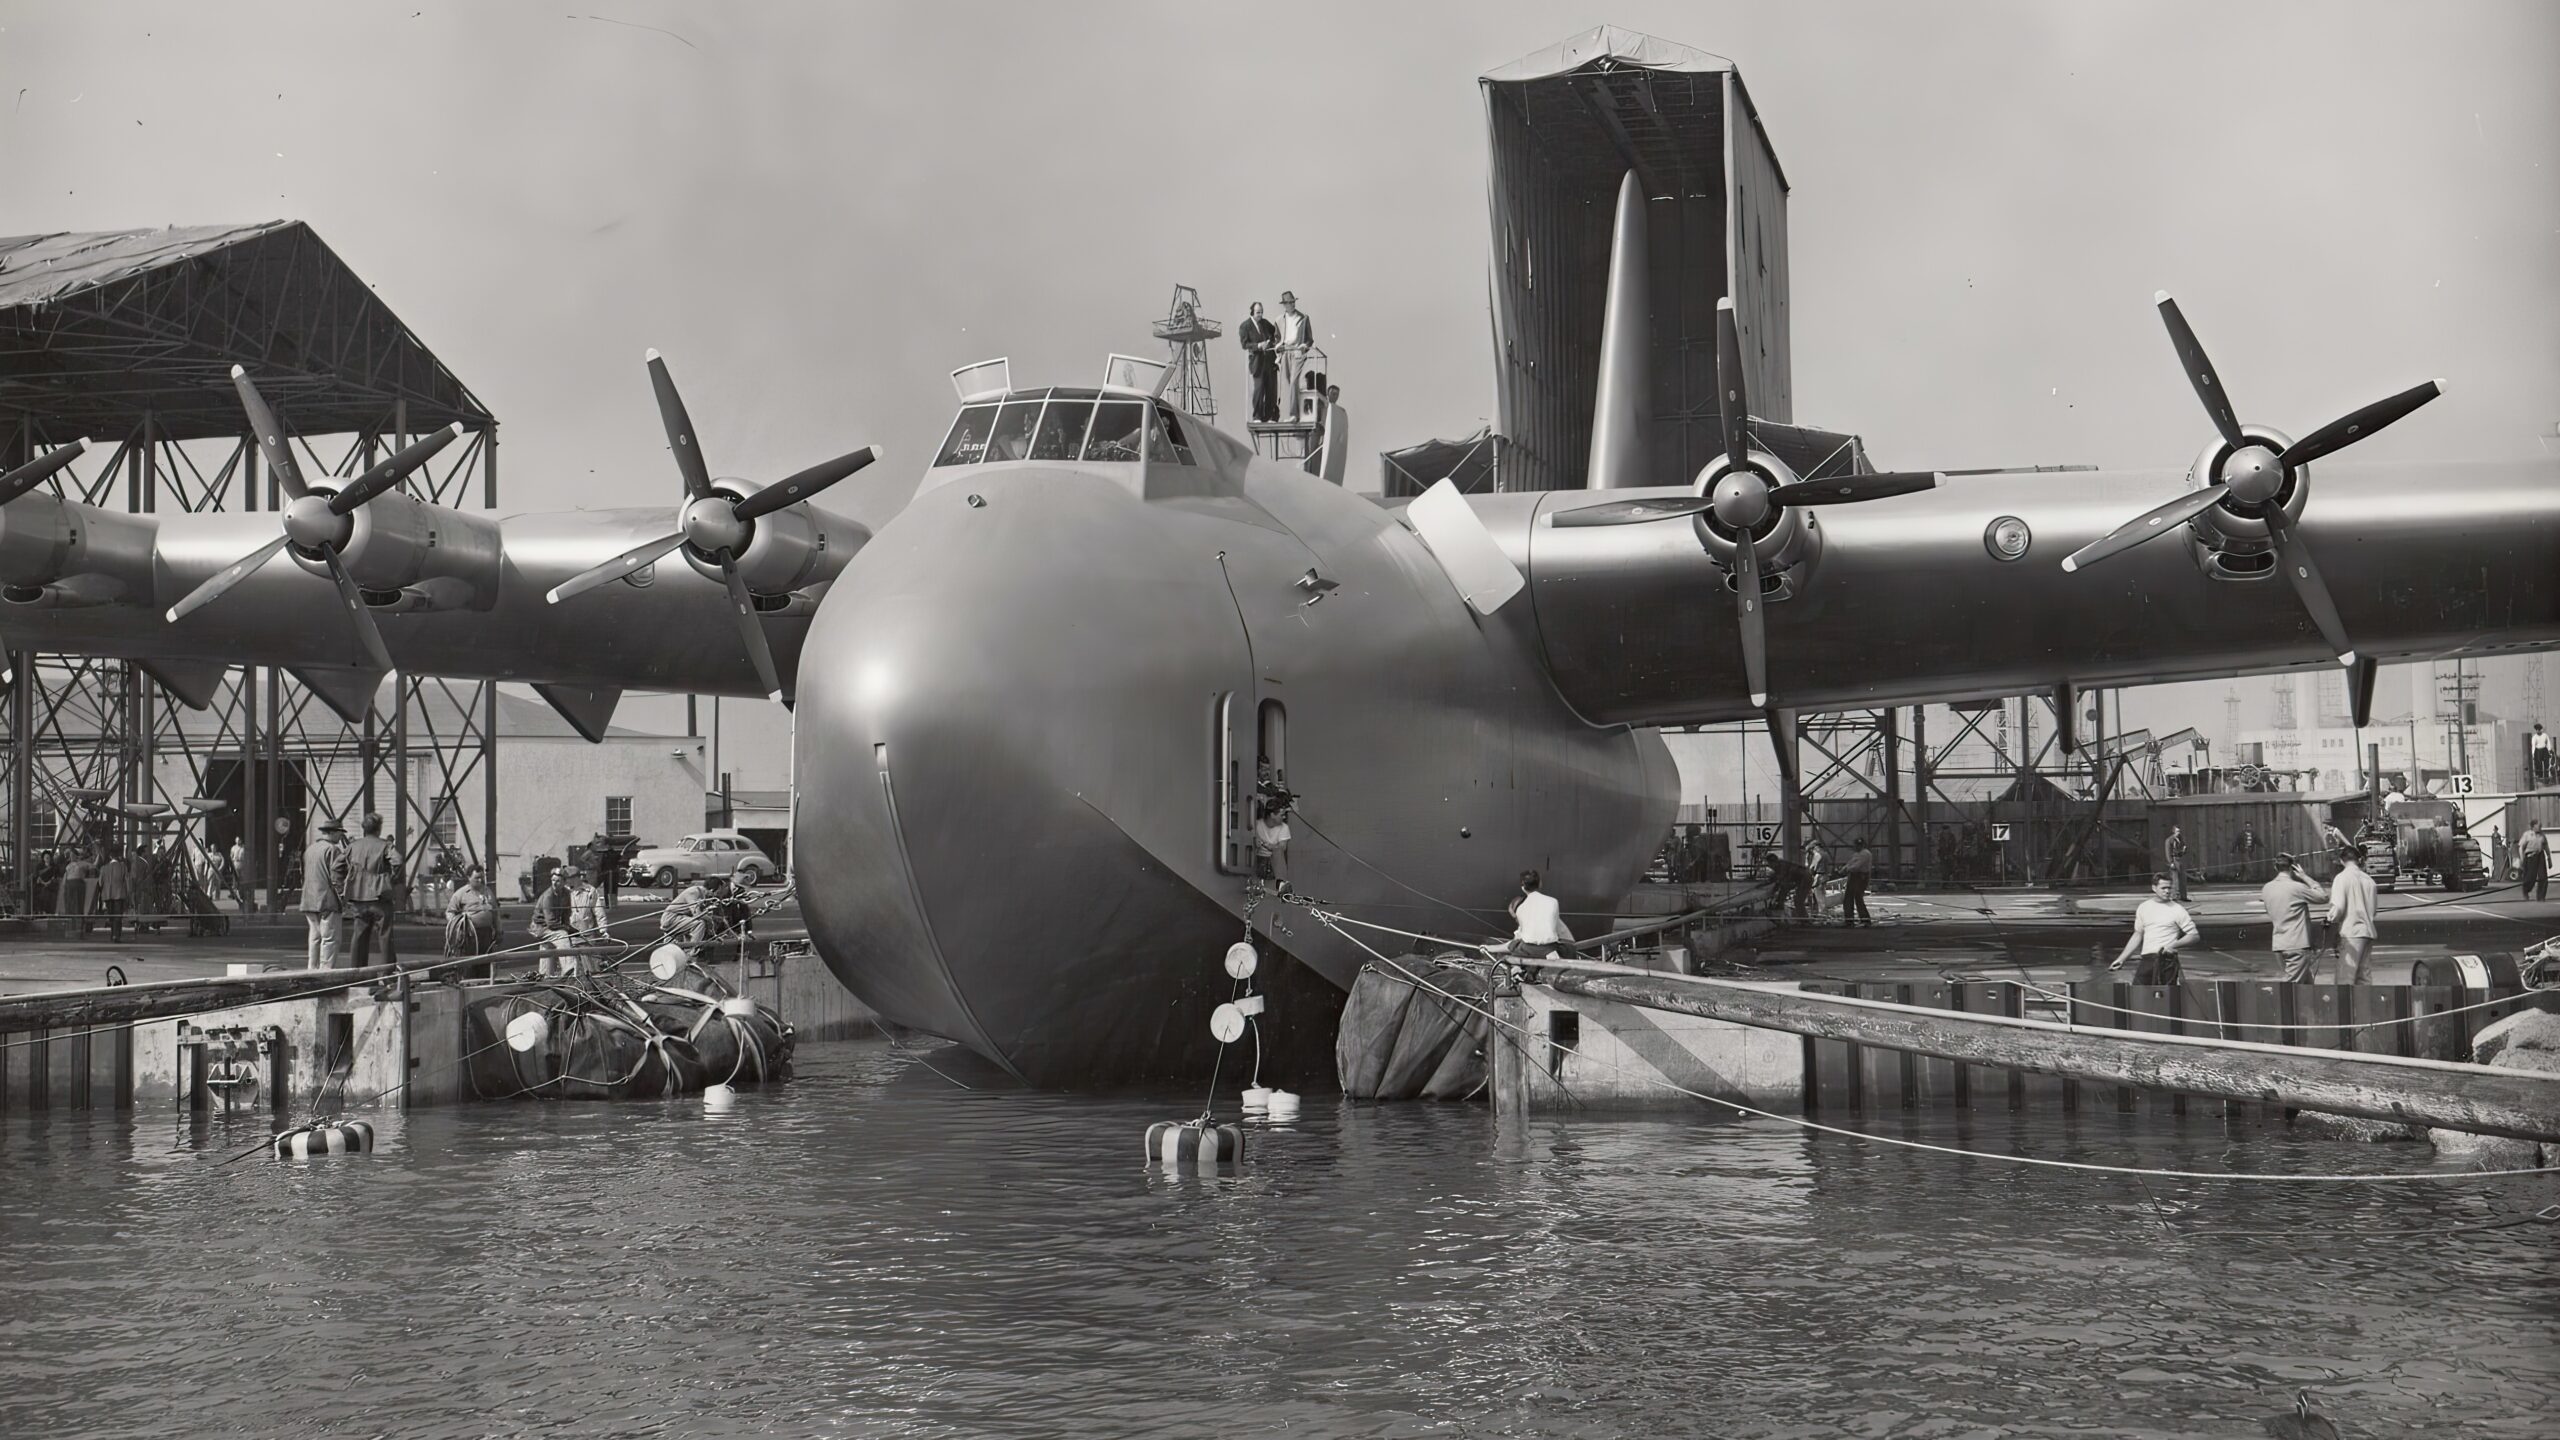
(1904, 600)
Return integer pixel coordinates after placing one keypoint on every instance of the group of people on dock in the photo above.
(2162, 927)
(1795, 886)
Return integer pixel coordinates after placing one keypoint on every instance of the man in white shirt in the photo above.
(2161, 928)
(2353, 898)
(1297, 337)
(1540, 921)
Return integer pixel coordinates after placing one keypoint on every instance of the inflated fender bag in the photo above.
(1193, 1143)
(346, 1137)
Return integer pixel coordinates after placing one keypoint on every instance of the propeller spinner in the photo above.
(319, 524)
(713, 525)
(1746, 494)
(2248, 479)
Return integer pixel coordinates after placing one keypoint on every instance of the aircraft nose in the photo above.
(1005, 807)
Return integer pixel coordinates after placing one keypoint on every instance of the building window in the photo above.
(447, 825)
(44, 827)
(617, 816)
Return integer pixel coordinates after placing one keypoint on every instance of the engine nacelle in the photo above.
(401, 543)
(45, 538)
(1784, 540)
(2231, 538)
(790, 549)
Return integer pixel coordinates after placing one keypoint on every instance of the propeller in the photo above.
(714, 526)
(2249, 479)
(35, 472)
(315, 524)
(1746, 499)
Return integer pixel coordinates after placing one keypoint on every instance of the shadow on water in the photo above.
(874, 1249)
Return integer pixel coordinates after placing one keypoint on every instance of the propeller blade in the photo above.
(806, 484)
(2349, 428)
(1633, 512)
(2368, 670)
(1849, 489)
(620, 565)
(743, 605)
(1755, 638)
(697, 473)
(272, 441)
(2199, 370)
(392, 471)
(1732, 394)
(366, 630)
(230, 575)
(2294, 554)
(35, 472)
(2151, 524)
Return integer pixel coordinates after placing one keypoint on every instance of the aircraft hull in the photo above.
(1010, 711)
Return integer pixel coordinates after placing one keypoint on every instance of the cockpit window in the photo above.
(1116, 424)
(1011, 439)
(967, 444)
(1164, 439)
(1061, 430)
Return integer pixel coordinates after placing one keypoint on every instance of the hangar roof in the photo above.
(99, 329)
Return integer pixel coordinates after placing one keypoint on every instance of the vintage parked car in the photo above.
(724, 853)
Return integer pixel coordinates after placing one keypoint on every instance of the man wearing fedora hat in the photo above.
(2289, 898)
(1297, 337)
(324, 889)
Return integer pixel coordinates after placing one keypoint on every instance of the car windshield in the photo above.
(690, 842)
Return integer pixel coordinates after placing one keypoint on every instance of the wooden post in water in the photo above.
(2477, 1098)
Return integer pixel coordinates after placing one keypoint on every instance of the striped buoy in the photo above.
(1193, 1143)
(347, 1137)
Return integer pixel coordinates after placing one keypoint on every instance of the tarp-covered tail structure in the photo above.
(1609, 142)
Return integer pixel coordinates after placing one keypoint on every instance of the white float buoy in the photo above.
(718, 1097)
(738, 1007)
(1284, 1105)
(667, 961)
(1257, 1098)
(1241, 960)
(527, 1031)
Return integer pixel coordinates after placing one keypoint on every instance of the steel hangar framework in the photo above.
(128, 338)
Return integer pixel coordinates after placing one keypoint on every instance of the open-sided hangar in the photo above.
(128, 338)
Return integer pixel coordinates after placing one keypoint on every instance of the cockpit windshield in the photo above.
(1065, 425)
(968, 442)
(1116, 426)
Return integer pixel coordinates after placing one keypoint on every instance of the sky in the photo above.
(817, 211)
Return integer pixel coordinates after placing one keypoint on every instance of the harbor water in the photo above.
(872, 1249)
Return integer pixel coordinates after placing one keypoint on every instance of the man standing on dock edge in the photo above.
(2289, 898)
(2161, 928)
(2352, 899)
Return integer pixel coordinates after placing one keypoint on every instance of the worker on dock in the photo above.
(370, 878)
(324, 888)
(2353, 898)
(1859, 870)
(1538, 927)
(2174, 849)
(2289, 898)
(471, 917)
(2533, 863)
(115, 887)
(587, 917)
(1788, 880)
(2161, 928)
(551, 920)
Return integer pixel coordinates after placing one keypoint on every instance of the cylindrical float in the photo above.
(1193, 1143)
(2467, 980)
(345, 1137)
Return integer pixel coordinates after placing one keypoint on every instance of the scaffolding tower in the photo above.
(1186, 338)
(129, 337)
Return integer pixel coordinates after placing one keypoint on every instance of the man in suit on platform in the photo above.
(324, 888)
(1261, 341)
(370, 884)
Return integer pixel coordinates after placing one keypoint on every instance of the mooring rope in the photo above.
(1328, 918)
